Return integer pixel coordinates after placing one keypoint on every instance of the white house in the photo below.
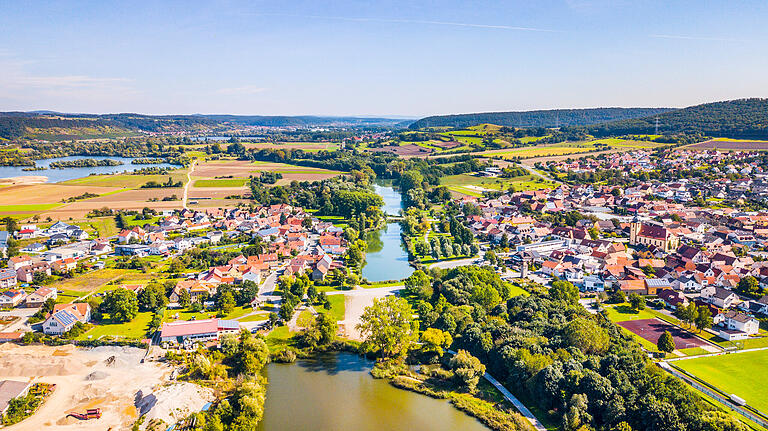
(718, 296)
(736, 325)
(65, 316)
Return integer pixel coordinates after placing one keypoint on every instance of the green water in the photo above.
(335, 392)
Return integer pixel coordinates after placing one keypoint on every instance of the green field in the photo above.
(105, 226)
(28, 208)
(542, 150)
(740, 374)
(125, 180)
(227, 182)
(135, 329)
(460, 183)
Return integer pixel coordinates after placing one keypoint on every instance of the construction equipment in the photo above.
(89, 414)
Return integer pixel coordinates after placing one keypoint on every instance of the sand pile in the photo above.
(96, 375)
(173, 402)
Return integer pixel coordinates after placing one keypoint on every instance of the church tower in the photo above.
(634, 229)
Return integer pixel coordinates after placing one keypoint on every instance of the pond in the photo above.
(336, 392)
(57, 175)
(387, 257)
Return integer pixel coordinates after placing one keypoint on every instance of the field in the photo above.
(742, 374)
(229, 182)
(125, 180)
(90, 281)
(409, 150)
(474, 186)
(541, 150)
(651, 330)
(135, 329)
(306, 146)
(729, 145)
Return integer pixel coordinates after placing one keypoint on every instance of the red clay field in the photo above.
(651, 330)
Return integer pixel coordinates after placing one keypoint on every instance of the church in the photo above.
(651, 234)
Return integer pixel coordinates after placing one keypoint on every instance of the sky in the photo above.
(377, 58)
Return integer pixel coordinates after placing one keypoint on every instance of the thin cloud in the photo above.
(701, 38)
(422, 22)
(72, 81)
(247, 89)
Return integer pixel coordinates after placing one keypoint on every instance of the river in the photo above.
(65, 174)
(335, 392)
(387, 257)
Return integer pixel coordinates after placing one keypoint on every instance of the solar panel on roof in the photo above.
(65, 317)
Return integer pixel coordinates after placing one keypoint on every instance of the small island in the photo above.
(84, 163)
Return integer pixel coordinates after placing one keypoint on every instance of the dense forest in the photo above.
(542, 118)
(743, 118)
(576, 366)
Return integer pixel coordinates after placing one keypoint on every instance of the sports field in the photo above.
(651, 330)
(742, 374)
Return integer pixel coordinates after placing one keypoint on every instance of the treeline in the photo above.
(580, 369)
(540, 118)
(84, 163)
(168, 184)
(743, 118)
(331, 197)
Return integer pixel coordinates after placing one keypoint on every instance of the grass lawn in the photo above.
(623, 312)
(226, 182)
(105, 226)
(338, 307)
(210, 314)
(741, 374)
(135, 329)
(280, 338)
(255, 318)
(67, 296)
(131, 221)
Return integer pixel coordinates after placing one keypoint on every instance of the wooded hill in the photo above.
(541, 118)
(743, 118)
(14, 125)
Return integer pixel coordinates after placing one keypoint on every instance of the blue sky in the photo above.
(409, 58)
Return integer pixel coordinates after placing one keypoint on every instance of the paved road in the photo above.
(448, 264)
(513, 399)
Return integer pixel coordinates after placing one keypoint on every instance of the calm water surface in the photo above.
(334, 392)
(387, 258)
(57, 175)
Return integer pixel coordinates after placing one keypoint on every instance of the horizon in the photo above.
(401, 59)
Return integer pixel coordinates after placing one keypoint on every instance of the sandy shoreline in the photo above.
(27, 179)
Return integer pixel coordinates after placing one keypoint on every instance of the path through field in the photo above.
(186, 186)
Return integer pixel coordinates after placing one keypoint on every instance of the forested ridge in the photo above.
(539, 118)
(14, 125)
(743, 118)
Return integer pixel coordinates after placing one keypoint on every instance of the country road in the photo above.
(186, 186)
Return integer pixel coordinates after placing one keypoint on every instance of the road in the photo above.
(189, 181)
(448, 264)
(513, 399)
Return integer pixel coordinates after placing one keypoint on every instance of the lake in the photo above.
(387, 258)
(57, 175)
(335, 392)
